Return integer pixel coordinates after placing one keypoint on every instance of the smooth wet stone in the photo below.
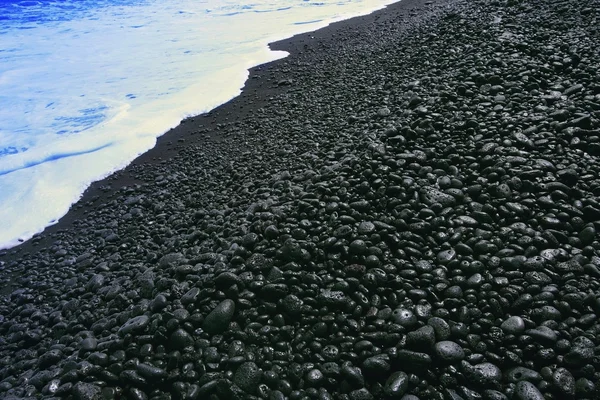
(134, 325)
(353, 375)
(449, 352)
(89, 344)
(191, 296)
(525, 390)
(441, 328)
(585, 387)
(543, 334)
(151, 372)
(404, 317)
(378, 364)
(248, 377)
(274, 291)
(396, 385)
(159, 303)
(513, 325)
(445, 256)
(587, 235)
(217, 321)
(358, 247)
(180, 339)
(410, 397)
(414, 359)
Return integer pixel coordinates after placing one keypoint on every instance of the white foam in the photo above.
(116, 78)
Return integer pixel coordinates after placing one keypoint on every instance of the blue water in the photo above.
(87, 86)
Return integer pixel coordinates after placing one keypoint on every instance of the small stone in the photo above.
(383, 112)
(422, 338)
(587, 235)
(191, 296)
(159, 303)
(441, 328)
(353, 375)
(292, 304)
(404, 317)
(49, 358)
(449, 352)
(517, 374)
(366, 228)
(151, 372)
(248, 377)
(180, 339)
(361, 394)
(513, 325)
(396, 385)
(585, 388)
(89, 344)
(218, 320)
(491, 394)
(86, 391)
(543, 334)
(483, 374)
(564, 382)
(314, 377)
(445, 256)
(377, 365)
(332, 298)
(135, 324)
(527, 391)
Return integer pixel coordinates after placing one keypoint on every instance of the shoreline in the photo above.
(114, 151)
(406, 207)
(164, 148)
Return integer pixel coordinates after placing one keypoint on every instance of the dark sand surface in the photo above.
(406, 208)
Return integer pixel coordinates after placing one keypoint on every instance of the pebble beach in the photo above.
(406, 207)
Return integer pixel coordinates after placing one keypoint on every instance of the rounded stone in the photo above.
(248, 377)
(89, 344)
(396, 385)
(218, 320)
(525, 390)
(513, 325)
(180, 339)
(404, 317)
(449, 351)
(486, 373)
(292, 304)
(135, 324)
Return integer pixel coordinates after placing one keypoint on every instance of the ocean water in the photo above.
(86, 86)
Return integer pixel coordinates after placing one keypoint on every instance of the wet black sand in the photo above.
(406, 207)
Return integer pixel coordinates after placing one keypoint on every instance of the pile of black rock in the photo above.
(412, 214)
